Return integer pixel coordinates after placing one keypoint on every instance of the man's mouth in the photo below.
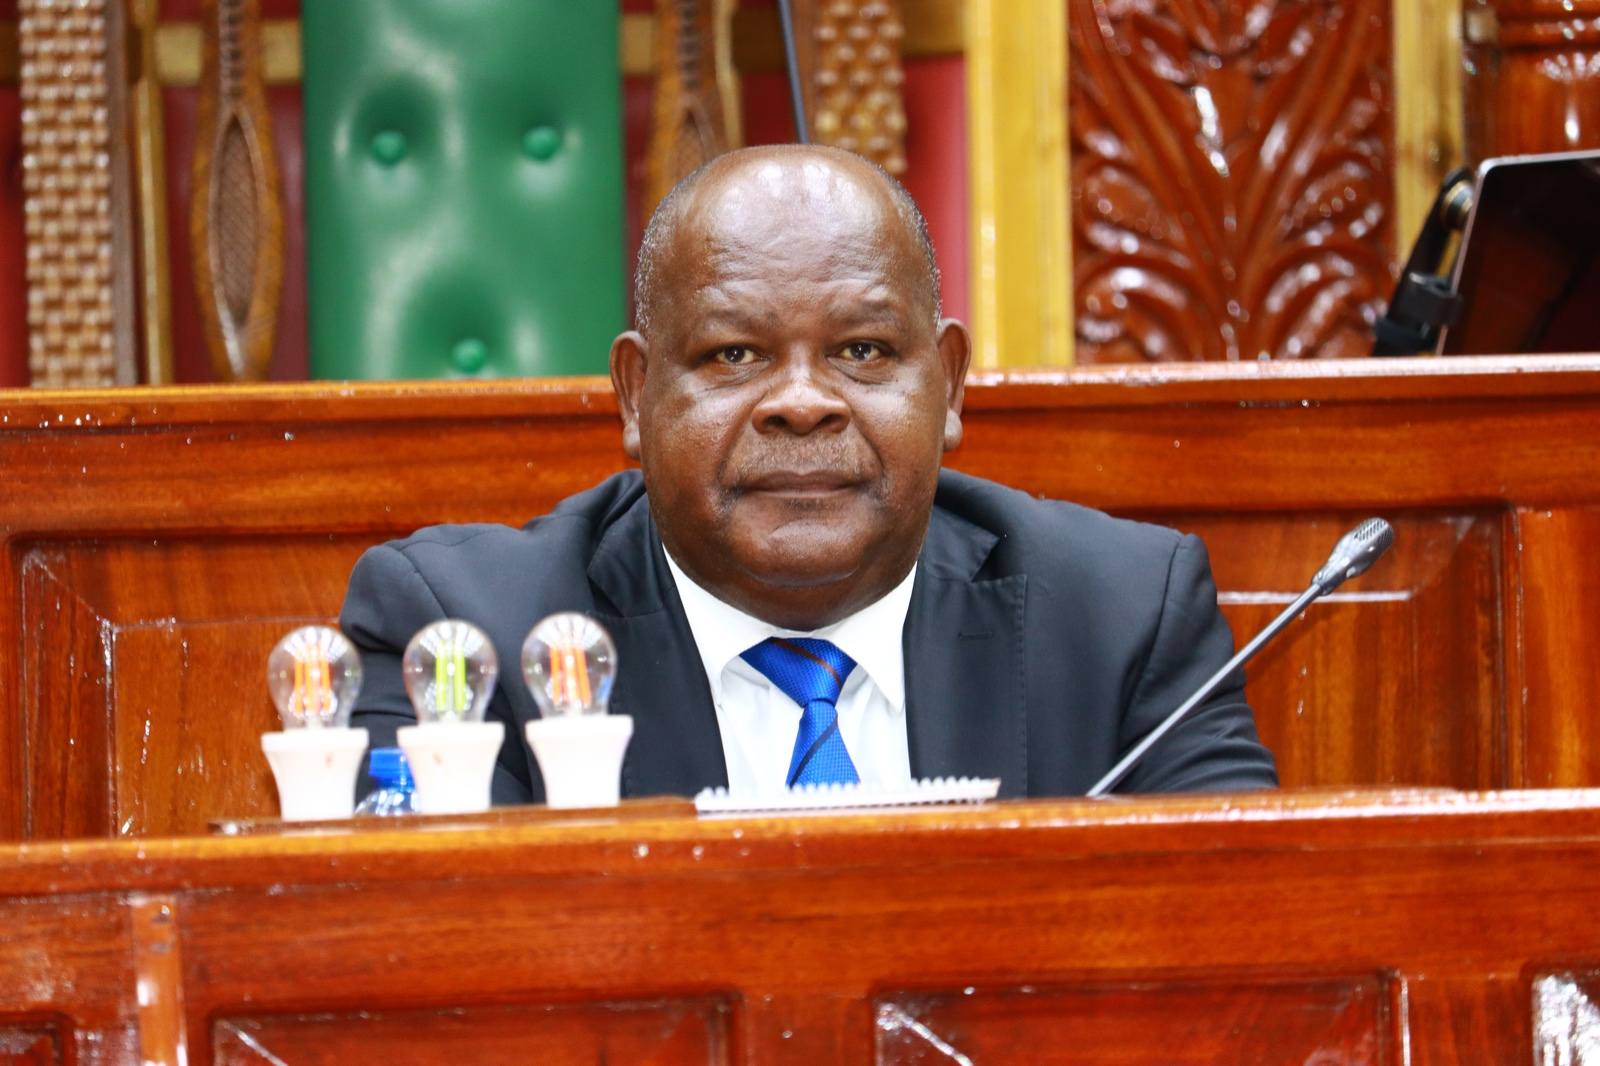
(800, 483)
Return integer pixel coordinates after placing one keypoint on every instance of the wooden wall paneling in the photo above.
(564, 1034)
(1232, 179)
(68, 991)
(1560, 671)
(857, 77)
(1020, 248)
(1394, 678)
(1531, 83)
(236, 215)
(1453, 1018)
(1175, 1022)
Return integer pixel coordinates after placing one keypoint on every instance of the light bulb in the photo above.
(450, 669)
(569, 663)
(314, 675)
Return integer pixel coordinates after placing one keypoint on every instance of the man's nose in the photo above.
(802, 397)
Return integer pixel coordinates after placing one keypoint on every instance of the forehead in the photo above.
(787, 223)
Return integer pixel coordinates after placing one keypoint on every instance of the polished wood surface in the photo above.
(1361, 928)
(1530, 81)
(158, 542)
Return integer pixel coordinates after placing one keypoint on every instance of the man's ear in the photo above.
(955, 352)
(628, 361)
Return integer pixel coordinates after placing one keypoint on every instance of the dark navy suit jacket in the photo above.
(1043, 640)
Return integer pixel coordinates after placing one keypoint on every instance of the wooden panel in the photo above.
(1232, 178)
(1453, 1019)
(661, 1034)
(1419, 927)
(1174, 1023)
(149, 693)
(1531, 84)
(1392, 679)
(66, 987)
(1559, 588)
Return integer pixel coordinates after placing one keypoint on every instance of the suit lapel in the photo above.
(966, 710)
(676, 746)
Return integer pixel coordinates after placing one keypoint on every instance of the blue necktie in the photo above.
(810, 672)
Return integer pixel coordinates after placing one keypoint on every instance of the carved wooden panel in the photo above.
(145, 704)
(696, 101)
(236, 217)
(1343, 1020)
(857, 84)
(578, 1034)
(1231, 177)
(1394, 678)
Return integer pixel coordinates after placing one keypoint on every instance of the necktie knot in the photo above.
(812, 673)
(803, 668)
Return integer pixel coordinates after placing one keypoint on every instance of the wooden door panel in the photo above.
(1344, 1020)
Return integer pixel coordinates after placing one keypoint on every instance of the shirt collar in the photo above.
(870, 636)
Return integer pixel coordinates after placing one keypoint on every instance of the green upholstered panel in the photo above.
(463, 186)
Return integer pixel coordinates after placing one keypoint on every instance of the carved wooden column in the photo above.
(696, 98)
(1232, 177)
(236, 217)
(856, 78)
(1532, 76)
(80, 306)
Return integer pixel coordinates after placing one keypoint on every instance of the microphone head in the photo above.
(1355, 552)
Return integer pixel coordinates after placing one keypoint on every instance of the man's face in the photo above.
(794, 396)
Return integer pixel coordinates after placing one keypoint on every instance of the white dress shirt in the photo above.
(758, 722)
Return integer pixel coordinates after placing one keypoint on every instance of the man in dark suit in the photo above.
(797, 592)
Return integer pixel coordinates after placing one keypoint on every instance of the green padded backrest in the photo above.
(464, 192)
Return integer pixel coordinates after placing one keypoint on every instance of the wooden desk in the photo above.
(1422, 928)
(155, 544)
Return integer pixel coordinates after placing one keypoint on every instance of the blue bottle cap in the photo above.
(390, 769)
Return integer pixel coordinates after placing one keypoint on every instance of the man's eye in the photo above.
(863, 352)
(735, 355)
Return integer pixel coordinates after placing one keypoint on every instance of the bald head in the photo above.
(742, 186)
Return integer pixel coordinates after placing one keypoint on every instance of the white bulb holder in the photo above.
(316, 771)
(580, 757)
(452, 764)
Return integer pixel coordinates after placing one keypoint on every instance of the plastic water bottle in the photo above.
(392, 775)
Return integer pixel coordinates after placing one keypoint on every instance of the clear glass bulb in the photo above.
(314, 675)
(450, 669)
(569, 663)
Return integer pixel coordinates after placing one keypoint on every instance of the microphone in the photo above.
(1356, 551)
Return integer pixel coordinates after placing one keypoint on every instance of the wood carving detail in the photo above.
(1532, 81)
(1231, 177)
(858, 80)
(236, 222)
(696, 99)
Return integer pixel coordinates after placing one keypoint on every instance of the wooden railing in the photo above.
(156, 543)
